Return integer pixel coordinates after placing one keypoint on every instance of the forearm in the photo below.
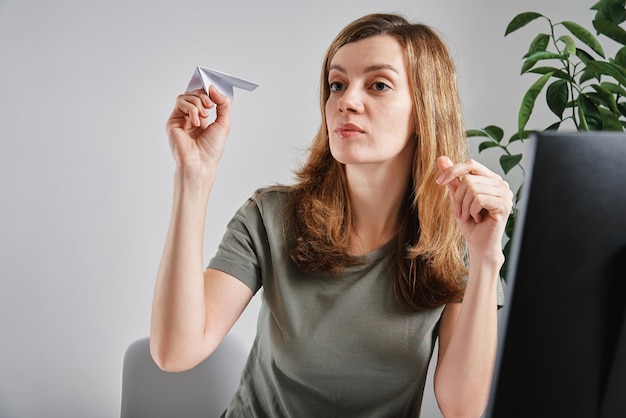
(178, 313)
(463, 377)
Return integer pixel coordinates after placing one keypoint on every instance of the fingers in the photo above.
(475, 191)
(457, 171)
(193, 107)
(480, 196)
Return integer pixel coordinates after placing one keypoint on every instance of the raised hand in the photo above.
(481, 201)
(194, 140)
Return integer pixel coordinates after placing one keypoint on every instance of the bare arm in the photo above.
(481, 200)
(193, 309)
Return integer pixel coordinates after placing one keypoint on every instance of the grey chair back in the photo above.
(204, 391)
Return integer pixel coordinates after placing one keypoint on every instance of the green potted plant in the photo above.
(583, 88)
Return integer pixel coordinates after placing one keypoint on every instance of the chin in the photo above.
(345, 154)
(345, 158)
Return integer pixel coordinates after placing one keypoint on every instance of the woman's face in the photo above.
(369, 113)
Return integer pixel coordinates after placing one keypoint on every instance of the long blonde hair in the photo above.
(430, 247)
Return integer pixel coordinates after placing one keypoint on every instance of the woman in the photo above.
(362, 261)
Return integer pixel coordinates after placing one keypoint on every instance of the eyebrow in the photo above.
(375, 67)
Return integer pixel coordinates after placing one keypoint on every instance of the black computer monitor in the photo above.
(562, 342)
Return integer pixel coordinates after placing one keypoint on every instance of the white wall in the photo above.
(85, 169)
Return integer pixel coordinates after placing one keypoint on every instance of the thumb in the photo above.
(222, 109)
(444, 163)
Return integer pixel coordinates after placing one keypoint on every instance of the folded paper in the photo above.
(224, 83)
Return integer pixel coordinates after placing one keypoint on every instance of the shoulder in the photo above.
(265, 208)
(271, 192)
(270, 198)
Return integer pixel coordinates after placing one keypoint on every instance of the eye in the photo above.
(380, 86)
(336, 86)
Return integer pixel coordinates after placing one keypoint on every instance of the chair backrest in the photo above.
(203, 391)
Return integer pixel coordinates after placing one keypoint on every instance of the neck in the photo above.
(376, 198)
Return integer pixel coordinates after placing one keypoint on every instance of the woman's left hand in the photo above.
(481, 201)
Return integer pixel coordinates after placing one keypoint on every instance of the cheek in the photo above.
(327, 114)
(397, 120)
(328, 108)
(405, 119)
(411, 123)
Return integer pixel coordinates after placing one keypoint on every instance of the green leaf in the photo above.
(599, 100)
(620, 68)
(610, 122)
(609, 69)
(527, 66)
(612, 10)
(603, 8)
(504, 270)
(554, 127)
(544, 55)
(508, 162)
(510, 224)
(518, 196)
(595, 98)
(570, 45)
(599, 5)
(535, 57)
(528, 102)
(583, 55)
(520, 21)
(590, 113)
(613, 88)
(606, 98)
(475, 132)
(620, 57)
(540, 43)
(520, 136)
(622, 108)
(582, 123)
(556, 73)
(585, 36)
(618, 12)
(611, 30)
(556, 97)
(587, 74)
(494, 132)
(486, 145)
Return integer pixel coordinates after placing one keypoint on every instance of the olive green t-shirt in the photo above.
(326, 346)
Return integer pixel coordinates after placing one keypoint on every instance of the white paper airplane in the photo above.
(224, 83)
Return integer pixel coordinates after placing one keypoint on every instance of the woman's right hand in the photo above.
(182, 333)
(193, 140)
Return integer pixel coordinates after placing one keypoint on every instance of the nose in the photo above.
(350, 101)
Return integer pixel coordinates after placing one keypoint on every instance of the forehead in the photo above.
(374, 50)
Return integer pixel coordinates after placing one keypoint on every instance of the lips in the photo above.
(348, 130)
